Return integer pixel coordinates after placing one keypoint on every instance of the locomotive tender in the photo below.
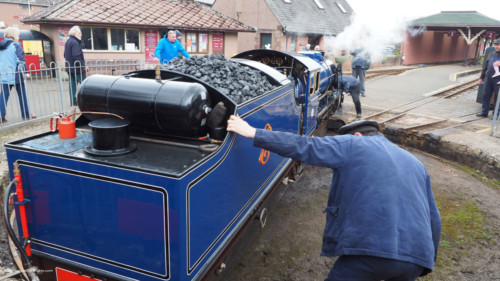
(152, 187)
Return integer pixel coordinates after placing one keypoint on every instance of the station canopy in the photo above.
(469, 24)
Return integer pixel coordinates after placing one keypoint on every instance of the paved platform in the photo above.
(468, 143)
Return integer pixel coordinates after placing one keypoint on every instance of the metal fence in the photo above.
(41, 92)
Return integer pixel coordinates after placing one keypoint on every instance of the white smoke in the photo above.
(373, 36)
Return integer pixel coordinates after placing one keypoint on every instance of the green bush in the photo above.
(340, 59)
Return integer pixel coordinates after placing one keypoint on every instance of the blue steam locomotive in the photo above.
(151, 186)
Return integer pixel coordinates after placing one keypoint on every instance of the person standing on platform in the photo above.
(75, 62)
(360, 64)
(381, 223)
(168, 48)
(12, 69)
(490, 80)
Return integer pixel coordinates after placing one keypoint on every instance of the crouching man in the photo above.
(381, 219)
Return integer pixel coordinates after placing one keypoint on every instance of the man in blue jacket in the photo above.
(168, 48)
(360, 64)
(349, 84)
(381, 220)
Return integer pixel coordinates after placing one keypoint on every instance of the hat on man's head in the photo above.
(362, 126)
(496, 42)
(177, 33)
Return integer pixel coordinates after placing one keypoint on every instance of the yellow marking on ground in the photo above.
(483, 131)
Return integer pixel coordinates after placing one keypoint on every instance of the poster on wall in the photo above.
(217, 41)
(63, 35)
(151, 40)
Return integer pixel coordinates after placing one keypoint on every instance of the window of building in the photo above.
(266, 39)
(318, 3)
(110, 39)
(100, 38)
(24, 6)
(196, 42)
(342, 9)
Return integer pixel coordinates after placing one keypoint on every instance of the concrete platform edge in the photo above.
(433, 144)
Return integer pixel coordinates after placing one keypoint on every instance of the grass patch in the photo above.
(495, 183)
(463, 225)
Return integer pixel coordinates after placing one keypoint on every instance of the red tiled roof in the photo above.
(175, 14)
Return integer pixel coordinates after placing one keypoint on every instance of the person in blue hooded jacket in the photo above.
(168, 48)
(351, 85)
(12, 71)
(382, 221)
(360, 64)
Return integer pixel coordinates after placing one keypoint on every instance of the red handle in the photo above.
(52, 128)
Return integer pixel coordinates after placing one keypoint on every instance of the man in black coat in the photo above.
(75, 62)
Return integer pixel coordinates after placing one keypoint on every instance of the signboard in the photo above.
(217, 41)
(151, 40)
(63, 35)
(490, 34)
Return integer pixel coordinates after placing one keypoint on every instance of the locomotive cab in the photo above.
(313, 81)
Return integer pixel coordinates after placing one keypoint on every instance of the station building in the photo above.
(450, 36)
(131, 29)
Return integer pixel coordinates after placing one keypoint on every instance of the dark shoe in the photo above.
(4, 120)
(32, 117)
(482, 115)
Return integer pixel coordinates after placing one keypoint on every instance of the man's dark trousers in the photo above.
(368, 268)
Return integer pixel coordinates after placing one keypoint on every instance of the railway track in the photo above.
(401, 114)
(376, 73)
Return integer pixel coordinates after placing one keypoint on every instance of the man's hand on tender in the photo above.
(237, 125)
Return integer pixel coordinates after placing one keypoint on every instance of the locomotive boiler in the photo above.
(153, 187)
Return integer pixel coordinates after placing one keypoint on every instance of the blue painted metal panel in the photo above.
(218, 200)
(120, 223)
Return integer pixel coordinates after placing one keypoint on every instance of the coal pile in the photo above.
(237, 81)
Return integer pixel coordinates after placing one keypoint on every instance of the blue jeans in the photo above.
(23, 100)
(368, 268)
(354, 91)
(359, 73)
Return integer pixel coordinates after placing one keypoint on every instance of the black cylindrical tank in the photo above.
(169, 106)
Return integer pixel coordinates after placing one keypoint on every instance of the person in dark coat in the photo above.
(75, 61)
(360, 64)
(382, 221)
(12, 71)
(490, 83)
(351, 85)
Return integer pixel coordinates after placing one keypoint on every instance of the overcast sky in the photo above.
(421, 8)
